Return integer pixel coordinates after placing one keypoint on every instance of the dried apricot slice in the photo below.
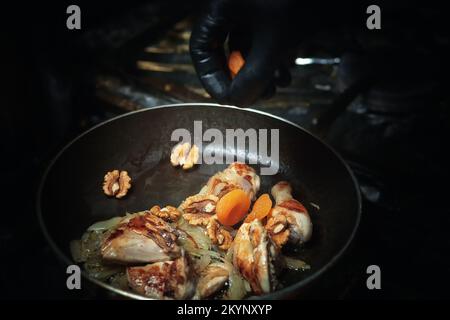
(260, 209)
(232, 207)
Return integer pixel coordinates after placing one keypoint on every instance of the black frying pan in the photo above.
(71, 198)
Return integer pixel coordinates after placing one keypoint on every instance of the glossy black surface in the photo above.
(71, 196)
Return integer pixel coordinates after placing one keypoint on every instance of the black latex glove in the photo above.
(262, 30)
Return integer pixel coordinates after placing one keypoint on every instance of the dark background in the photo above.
(50, 94)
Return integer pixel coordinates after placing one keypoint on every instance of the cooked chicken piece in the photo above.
(167, 279)
(249, 174)
(289, 221)
(237, 175)
(212, 279)
(141, 239)
(218, 234)
(168, 213)
(254, 255)
(218, 186)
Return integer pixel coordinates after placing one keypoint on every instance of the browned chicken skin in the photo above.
(253, 256)
(237, 175)
(289, 221)
(212, 279)
(167, 279)
(144, 238)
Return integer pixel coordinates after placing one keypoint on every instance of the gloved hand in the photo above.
(262, 30)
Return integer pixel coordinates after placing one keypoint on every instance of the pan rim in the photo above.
(272, 295)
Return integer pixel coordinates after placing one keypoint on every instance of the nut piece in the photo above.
(218, 234)
(185, 156)
(168, 213)
(197, 219)
(116, 184)
(179, 154)
(191, 158)
(200, 203)
(276, 226)
(198, 210)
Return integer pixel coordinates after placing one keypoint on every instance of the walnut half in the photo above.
(277, 227)
(184, 155)
(200, 203)
(218, 234)
(198, 209)
(116, 184)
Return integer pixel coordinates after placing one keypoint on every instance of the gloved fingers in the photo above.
(257, 74)
(251, 81)
(207, 49)
(239, 40)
